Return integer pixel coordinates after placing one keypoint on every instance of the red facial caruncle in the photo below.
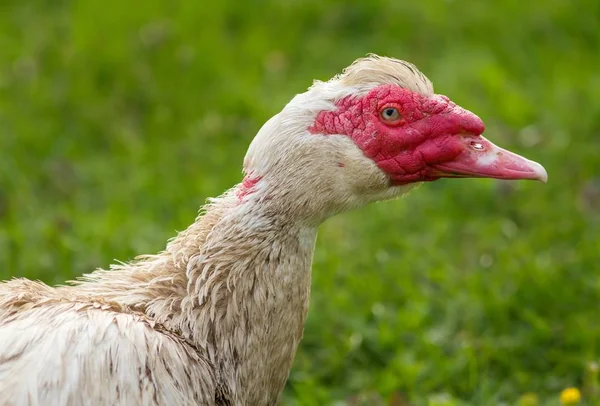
(414, 138)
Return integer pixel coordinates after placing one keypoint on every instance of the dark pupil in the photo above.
(389, 112)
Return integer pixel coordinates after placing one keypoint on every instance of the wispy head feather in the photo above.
(381, 70)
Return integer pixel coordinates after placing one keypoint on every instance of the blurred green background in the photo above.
(119, 118)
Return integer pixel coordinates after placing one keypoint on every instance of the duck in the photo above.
(216, 318)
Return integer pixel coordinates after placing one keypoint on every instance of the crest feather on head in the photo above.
(381, 70)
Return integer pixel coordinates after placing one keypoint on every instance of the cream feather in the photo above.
(216, 318)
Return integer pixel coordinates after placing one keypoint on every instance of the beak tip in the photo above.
(540, 172)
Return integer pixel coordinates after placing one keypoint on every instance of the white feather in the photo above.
(216, 318)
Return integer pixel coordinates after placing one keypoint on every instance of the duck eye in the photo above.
(390, 114)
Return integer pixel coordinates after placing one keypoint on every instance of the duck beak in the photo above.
(480, 158)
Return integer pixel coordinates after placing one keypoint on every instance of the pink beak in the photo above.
(482, 159)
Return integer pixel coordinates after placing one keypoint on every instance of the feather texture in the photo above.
(214, 319)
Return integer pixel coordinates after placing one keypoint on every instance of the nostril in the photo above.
(478, 146)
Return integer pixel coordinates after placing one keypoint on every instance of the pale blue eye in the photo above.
(390, 114)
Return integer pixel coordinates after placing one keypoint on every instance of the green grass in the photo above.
(118, 119)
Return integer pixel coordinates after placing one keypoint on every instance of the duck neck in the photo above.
(247, 297)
